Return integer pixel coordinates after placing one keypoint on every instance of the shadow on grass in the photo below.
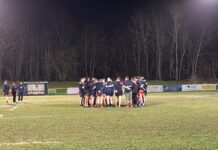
(78, 106)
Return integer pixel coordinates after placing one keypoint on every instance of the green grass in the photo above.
(171, 121)
(60, 85)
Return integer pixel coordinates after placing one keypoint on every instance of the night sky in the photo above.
(110, 13)
(114, 23)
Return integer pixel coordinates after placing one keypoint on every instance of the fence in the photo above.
(150, 89)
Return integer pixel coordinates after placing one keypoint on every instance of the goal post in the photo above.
(36, 88)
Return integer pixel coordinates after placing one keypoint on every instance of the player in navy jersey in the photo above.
(21, 90)
(6, 89)
(145, 90)
(134, 92)
(140, 84)
(104, 91)
(118, 91)
(127, 84)
(87, 91)
(109, 91)
(92, 87)
(81, 91)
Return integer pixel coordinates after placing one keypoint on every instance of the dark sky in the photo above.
(103, 12)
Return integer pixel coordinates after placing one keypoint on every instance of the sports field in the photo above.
(171, 121)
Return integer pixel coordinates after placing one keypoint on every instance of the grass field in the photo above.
(170, 121)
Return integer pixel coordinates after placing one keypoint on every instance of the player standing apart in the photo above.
(20, 90)
(14, 91)
(6, 89)
(81, 91)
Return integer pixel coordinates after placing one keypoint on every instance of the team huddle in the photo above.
(99, 93)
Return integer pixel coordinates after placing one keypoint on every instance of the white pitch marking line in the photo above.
(27, 117)
(13, 108)
(5, 106)
(28, 143)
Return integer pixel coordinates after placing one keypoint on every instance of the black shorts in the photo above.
(145, 92)
(109, 94)
(119, 94)
(81, 94)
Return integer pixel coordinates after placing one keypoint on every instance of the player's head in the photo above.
(109, 79)
(82, 80)
(5, 82)
(126, 78)
(13, 84)
(118, 79)
(136, 78)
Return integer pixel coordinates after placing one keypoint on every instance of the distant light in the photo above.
(210, 1)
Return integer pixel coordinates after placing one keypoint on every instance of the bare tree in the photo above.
(140, 30)
(199, 43)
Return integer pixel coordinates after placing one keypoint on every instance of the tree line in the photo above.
(164, 42)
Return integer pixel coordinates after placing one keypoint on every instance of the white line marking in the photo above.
(1, 116)
(13, 108)
(5, 106)
(29, 143)
(27, 117)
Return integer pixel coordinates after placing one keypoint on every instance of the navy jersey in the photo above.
(86, 87)
(145, 85)
(99, 87)
(20, 89)
(118, 87)
(109, 90)
(81, 89)
(140, 84)
(127, 84)
(104, 89)
(6, 88)
(135, 88)
(92, 87)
